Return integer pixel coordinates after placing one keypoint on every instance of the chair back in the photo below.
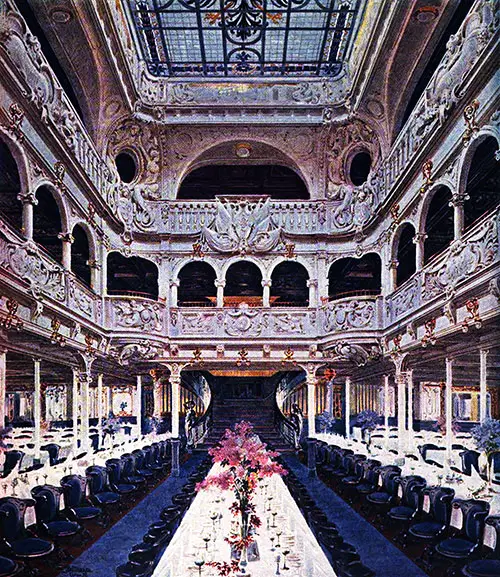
(74, 490)
(494, 521)
(12, 458)
(12, 512)
(114, 468)
(470, 459)
(474, 513)
(412, 490)
(139, 458)
(440, 501)
(47, 502)
(97, 478)
(53, 451)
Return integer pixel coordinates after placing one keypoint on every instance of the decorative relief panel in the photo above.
(137, 314)
(349, 315)
(80, 299)
(464, 258)
(403, 301)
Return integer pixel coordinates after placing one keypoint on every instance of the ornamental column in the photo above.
(37, 408)
(266, 292)
(483, 385)
(75, 410)
(311, 402)
(409, 378)
(29, 200)
(99, 409)
(3, 385)
(419, 242)
(312, 285)
(393, 274)
(67, 240)
(174, 286)
(347, 404)
(329, 397)
(175, 384)
(157, 393)
(387, 408)
(457, 202)
(448, 404)
(220, 284)
(94, 277)
(400, 378)
(138, 403)
(85, 380)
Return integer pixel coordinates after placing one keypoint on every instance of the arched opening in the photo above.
(355, 277)
(126, 166)
(279, 182)
(80, 255)
(462, 8)
(438, 223)
(483, 182)
(289, 285)
(359, 170)
(243, 284)
(11, 208)
(132, 276)
(197, 285)
(47, 223)
(406, 254)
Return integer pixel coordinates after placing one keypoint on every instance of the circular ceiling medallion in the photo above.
(426, 14)
(243, 150)
(61, 16)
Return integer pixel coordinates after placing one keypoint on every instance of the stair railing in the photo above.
(202, 425)
(284, 426)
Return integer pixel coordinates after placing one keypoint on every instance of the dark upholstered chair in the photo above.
(100, 493)
(12, 459)
(9, 568)
(14, 536)
(75, 500)
(411, 500)
(489, 565)
(432, 528)
(117, 484)
(53, 451)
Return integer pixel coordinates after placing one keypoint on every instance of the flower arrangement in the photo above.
(325, 422)
(487, 436)
(368, 420)
(245, 461)
(4, 435)
(110, 425)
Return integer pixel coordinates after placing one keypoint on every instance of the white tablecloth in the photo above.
(306, 558)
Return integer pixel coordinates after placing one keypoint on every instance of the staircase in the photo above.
(258, 412)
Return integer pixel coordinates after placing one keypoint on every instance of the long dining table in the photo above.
(285, 543)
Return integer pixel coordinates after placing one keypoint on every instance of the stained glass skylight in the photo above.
(221, 38)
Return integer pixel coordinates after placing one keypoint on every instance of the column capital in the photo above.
(66, 237)
(175, 282)
(312, 282)
(27, 198)
(419, 237)
(267, 282)
(458, 198)
(220, 282)
(392, 264)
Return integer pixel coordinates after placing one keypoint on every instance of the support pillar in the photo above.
(157, 394)
(85, 380)
(99, 409)
(448, 399)
(3, 385)
(401, 382)
(175, 384)
(175, 443)
(312, 285)
(174, 288)
(311, 456)
(457, 202)
(266, 293)
(329, 398)
(67, 240)
(419, 241)
(37, 409)
(75, 410)
(393, 275)
(138, 403)
(220, 285)
(409, 377)
(387, 408)
(347, 403)
(483, 385)
(29, 201)
(311, 404)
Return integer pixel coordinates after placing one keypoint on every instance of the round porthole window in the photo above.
(126, 166)
(361, 164)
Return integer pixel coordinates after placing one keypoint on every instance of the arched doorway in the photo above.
(289, 285)
(197, 285)
(439, 228)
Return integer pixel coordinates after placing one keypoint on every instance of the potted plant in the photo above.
(368, 421)
(487, 438)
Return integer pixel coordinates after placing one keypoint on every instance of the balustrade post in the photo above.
(312, 285)
(483, 385)
(266, 292)
(29, 201)
(37, 409)
(220, 284)
(3, 385)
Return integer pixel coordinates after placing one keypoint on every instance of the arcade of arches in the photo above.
(286, 214)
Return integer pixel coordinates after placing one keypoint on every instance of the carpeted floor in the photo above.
(375, 550)
(111, 550)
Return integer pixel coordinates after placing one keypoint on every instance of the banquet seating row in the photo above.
(451, 530)
(342, 555)
(144, 556)
(102, 491)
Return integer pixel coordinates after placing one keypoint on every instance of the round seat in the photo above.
(87, 512)
(8, 567)
(401, 513)
(380, 497)
(32, 547)
(62, 528)
(365, 488)
(455, 548)
(107, 498)
(426, 530)
(483, 568)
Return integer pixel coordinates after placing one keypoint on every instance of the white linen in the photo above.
(306, 558)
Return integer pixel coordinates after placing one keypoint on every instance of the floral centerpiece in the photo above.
(487, 437)
(325, 422)
(245, 461)
(110, 426)
(368, 421)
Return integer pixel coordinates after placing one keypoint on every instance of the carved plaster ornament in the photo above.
(11, 320)
(36, 310)
(136, 314)
(494, 289)
(266, 351)
(220, 351)
(242, 227)
(197, 357)
(75, 330)
(429, 336)
(56, 338)
(351, 353)
(472, 307)
(288, 357)
(450, 312)
(144, 350)
(15, 117)
(427, 174)
(243, 359)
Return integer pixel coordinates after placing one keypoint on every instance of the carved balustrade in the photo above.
(142, 315)
(351, 314)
